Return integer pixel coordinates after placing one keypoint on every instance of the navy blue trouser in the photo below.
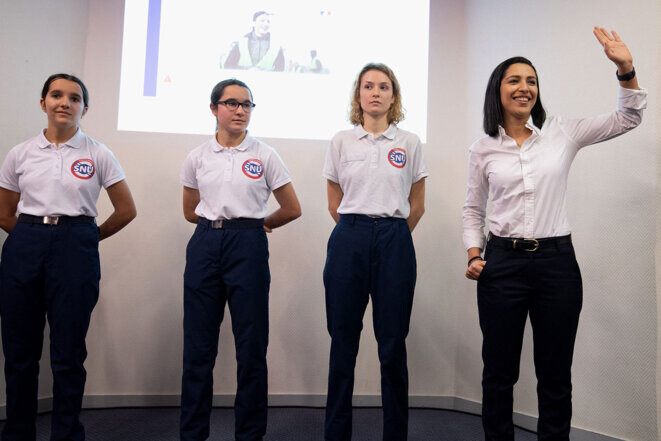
(226, 265)
(369, 256)
(547, 285)
(47, 271)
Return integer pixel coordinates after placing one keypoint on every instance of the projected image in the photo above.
(299, 58)
(257, 49)
(260, 49)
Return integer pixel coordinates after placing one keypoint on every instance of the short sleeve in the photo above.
(331, 162)
(8, 175)
(275, 171)
(109, 169)
(188, 176)
(419, 168)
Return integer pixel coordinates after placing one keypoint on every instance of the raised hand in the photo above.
(615, 49)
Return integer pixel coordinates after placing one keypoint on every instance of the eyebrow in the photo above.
(519, 76)
(76, 94)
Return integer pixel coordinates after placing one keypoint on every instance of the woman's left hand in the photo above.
(615, 49)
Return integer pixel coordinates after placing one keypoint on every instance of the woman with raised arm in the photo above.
(227, 183)
(529, 266)
(376, 192)
(50, 260)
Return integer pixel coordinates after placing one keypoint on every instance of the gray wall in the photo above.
(135, 341)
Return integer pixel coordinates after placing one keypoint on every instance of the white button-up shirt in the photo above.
(234, 182)
(527, 185)
(375, 173)
(59, 181)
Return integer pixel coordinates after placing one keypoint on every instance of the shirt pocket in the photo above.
(352, 157)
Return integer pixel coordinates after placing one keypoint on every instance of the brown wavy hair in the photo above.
(395, 113)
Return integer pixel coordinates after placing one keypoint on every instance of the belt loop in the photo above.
(353, 219)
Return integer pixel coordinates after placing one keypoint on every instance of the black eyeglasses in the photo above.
(232, 105)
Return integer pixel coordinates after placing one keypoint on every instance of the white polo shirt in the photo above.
(375, 173)
(64, 181)
(234, 182)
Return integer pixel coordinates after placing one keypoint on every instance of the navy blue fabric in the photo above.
(47, 272)
(547, 285)
(225, 266)
(369, 256)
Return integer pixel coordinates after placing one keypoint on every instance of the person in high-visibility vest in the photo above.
(257, 49)
(315, 64)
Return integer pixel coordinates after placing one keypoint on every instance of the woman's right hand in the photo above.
(475, 269)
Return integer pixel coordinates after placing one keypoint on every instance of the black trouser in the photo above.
(47, 271)
(368, 256)
(547, 284)
(228, 265)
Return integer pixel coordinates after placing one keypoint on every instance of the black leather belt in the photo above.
(231, 224)
(513, 243)
(54, 220)
(361, 218)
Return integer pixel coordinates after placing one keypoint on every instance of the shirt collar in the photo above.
(76, 141)
(532, 126)
(529, 124)
(245, 144)
(390, 132)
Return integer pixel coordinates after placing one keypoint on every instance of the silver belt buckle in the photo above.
(50, 220)
(217, 224)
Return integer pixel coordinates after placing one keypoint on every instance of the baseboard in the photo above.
(524, 421)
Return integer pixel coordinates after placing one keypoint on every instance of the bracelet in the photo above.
(626, 76)
(474, 258)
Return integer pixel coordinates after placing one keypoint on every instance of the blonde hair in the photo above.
(395, 113)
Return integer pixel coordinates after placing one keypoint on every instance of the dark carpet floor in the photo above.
(285, 424)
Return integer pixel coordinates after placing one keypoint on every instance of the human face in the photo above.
(232, 121)
(518, 91)
(262, 25)
(376, 94)
(63, 104)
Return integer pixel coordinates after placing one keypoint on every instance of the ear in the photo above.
(84, 111)
(214, 109)
(42, 102)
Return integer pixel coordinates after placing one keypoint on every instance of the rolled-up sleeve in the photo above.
(627, 116)
(476, 202)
